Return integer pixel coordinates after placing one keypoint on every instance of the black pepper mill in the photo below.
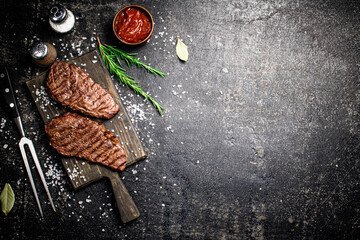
(43, 53)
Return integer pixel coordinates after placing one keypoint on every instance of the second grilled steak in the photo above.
(73, 135)
(73, 88)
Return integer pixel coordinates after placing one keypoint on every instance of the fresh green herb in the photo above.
(130, 60)
(7, 198)
(111, 56)
(181, 50)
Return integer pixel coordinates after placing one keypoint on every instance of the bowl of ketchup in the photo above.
(133, 25)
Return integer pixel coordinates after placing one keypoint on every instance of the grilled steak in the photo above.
(73, 135)
(74, 89)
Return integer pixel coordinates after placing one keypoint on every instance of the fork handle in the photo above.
(8, 93)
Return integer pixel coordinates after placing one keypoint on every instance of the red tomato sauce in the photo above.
(133, 25)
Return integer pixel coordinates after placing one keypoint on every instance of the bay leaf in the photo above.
(7, 198)
(181, 50)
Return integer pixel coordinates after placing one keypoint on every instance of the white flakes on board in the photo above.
(76, 173)
(42, 97)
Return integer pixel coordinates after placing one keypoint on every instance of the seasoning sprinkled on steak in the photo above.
(73, 135)
(74, 89)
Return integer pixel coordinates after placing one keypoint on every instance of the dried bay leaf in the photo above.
(7, 198)
(181, 50)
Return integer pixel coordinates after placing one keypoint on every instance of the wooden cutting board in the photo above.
(82, 172)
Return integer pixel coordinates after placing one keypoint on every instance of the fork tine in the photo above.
(23, 153)
(38, 167)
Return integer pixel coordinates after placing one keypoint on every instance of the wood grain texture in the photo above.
(82, 172)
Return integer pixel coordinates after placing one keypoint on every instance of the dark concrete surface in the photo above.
(259, 137)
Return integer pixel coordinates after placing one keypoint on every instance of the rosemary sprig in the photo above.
(130, 60)
(111, 56)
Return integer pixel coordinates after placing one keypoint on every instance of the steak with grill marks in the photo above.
(73, 88)
(73, 135)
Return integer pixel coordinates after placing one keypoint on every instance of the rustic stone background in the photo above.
(259, 137)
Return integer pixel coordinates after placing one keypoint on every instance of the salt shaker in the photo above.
(43, 53)
(61, 20)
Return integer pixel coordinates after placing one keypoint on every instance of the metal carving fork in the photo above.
(12, 104)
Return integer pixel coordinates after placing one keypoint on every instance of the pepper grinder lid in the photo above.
(39, 50)
(57, 13)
